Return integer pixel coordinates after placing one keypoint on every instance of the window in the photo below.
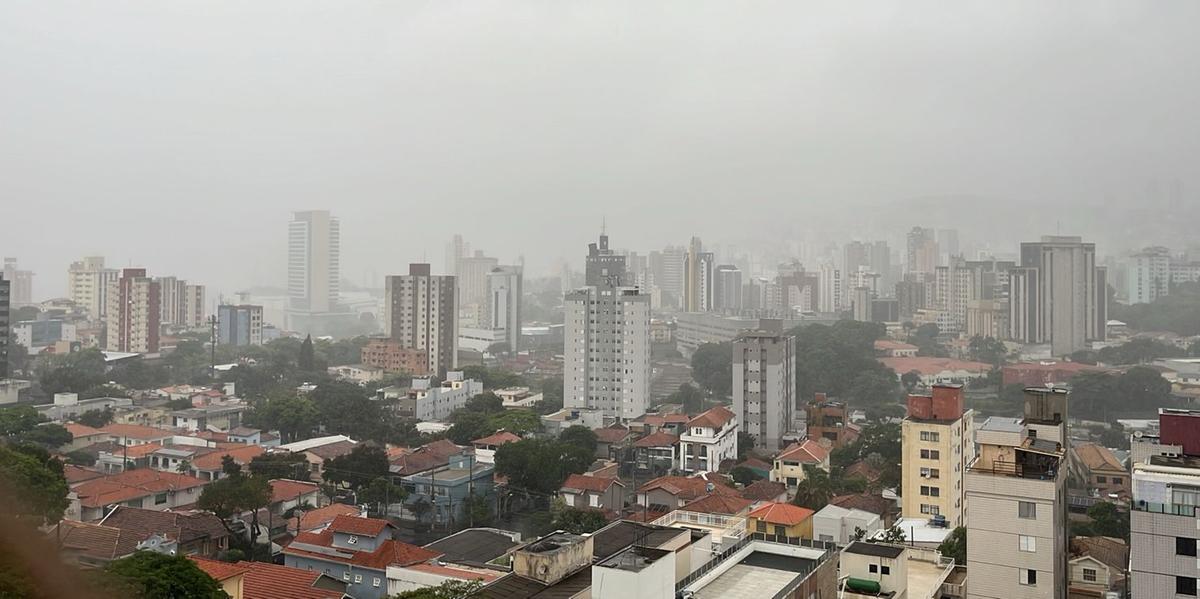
(375, 582)
(1027, 510)
(346, 576)
(160, 499)
(1185, 586)
(762, 526)
(873, 569)
(1116, 480)
(1089, 575)
(930, 436)
(931, 454)
(1029, 577)
(885, 570)
(1101, 479)
(932, 510)
(1185, 546)
(352, 540)
(594, 500)
(1028, 543)
(357, 578)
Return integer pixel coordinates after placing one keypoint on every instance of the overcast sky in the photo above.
(179, 135)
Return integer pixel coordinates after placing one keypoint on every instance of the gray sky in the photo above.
(179, 135)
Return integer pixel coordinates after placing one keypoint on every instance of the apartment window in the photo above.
(1185, 546)
(1029, 577)
(358, 579)
(762, 527)
(160, 499)
(1089, 575)
(1028, 543)
(931, 473)
(1185, 586)
(1116, 480)
(885, 570)
(1027, 510)
(375, 582)
(931, 454)
(930, 436)
(346, 576)
(873, 569)
(1101, 479)
(932, 510)
(780, 531)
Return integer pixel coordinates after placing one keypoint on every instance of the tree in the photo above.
(910, 380)
(688, 396)
(451, 589)
(71, 373)
(346, 409)
(829, 358)
(81, 458)
(815, 491)
(23, 424)
(578, 521)
(32, 484)
(926, 340)
(712, 368)
(234, 495)
(485, 403)
(306, 361)
(1138, 351)
(96, 418)
(18, 358)
(540, 465)
(987, 349)
(1108, 521)
(745, 444)
(743, 475)
(468, 426)
(381, 492)
(894, 536)
(955, 546)
(161, 576)
(280, 465)
(579, 436)
(359, 468)
(521, 422)
(294, 416)
(873, 387)
(478, 510)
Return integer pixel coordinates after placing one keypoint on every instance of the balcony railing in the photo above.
(1174, 509)
(1017, 470)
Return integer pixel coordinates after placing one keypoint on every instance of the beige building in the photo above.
(421, 312)
(87, 284)
(938, 447)
(1016, 488)
(133, 315)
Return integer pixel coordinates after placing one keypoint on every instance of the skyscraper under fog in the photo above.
(1058, 295)
(314, 251)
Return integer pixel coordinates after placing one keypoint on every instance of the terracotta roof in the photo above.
(184, 527)
(596, 484)
(333, 450)
(754, 463)
(94, 540)
(1110, 551)
(137, 451)
(389, 553)
(283, 489)
(135, 431)
(862, 470)
(686, 488)
(320, 517)
(867, 502)
(661, 419)
(764, 490)
(891, 344)
(81, 430)
(718, 503)
(425, 457)
(262, 580)
(805, 452)
(78, 474)
(218, 569)
(713, 418)
(499, 438)
(930, 366)
(357, 525)
(782, 513)
(132, 484)
(1097, 457)
(611, 434)
(659, 439)
(212, 461)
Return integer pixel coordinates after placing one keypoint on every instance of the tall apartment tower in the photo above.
(456, 250)
(472, 277)
(1163, 535)
(1016, 493)
(421, 312)
(603, 266)
(5, 295)
(314, 262)
(829, 290)
(239, 325)
(727, 288)
(1058, 295)
(504, 303)
(666, 267)
(607, 342)
(87, 285)
(922, 249)
(182, 303)
(134, 313)
(938, 445)
(697, 278)
(764, 385)
(20, 284)
(1149, 275)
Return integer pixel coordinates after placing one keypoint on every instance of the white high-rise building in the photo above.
(182, 303)
(607, 350)
(727, 289)
(472, 276)
(1059, 295)
(87, 285)
(421, 312)
(829, 290)
(764, 385)
(1149, 275)
(504, 303)
(314, 254)
(21, 282)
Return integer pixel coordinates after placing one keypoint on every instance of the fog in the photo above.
(179, 135)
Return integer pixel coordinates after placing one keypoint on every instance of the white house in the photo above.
(838, 524)
(710, 439)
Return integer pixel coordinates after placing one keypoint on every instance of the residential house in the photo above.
(288, 494)
(424, 458)
(719, 504)
(933, 370)
(477, 546)
(190, 532)
(317, 450)
(890, 348)
(208, 466)
(758, 467)
(219, 416)
(656, 452)
(765, 491)
(710, 439)
(667, 493)
(315, 520)
(789, 464)
(874, 503)
(356, 551)
(611, 441)
(82, 436)
(440, 496)
(648, 424)
(882, 570)
(151, 489)
(485, 448)
(593, 492)
(840, 525)
(261, 580)
(781, 520)
(830, 420)
(863, 471)
(134, 434)
(230, 576)
(1105, 476)
(247, 435)
(1096, 566)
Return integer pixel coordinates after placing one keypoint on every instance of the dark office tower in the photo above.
(880, 263)
(727, 289)
(604, 266)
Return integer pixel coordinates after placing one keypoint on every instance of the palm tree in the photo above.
(815, 490)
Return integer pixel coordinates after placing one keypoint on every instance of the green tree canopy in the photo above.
(294, 416)
(96, 418)
(540, 465)
(280, 465)
(306, 361)
(688, 396)
(71, 373)
(32, 484)
(578, 521)
(357, 469)
(955, 546)
(159, 576)
(712, 368)
(579, 436)
(831, 359)
(451, 589)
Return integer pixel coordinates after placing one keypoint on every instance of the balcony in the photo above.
(1174, 509)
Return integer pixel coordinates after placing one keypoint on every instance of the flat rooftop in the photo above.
(1002, 424)
(925, 577)
(759, 575)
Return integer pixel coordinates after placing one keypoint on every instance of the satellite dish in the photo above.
(1137, 434)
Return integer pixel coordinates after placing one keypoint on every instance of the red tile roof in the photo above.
(181, 526)
(867, 502)
(713, 418)
(805, 452)
(333, 450)
(357, 525)
(212, 461)
(425, 457)
(135, 431)
(754, 463)
(686, 488)
(81, 430)
(499, 438)
(611, 434)
(218, 569)
(659, 439)
(318, 518)
(94, 540)
(262, 580)
(132, 484)
(283, 489)
(930, 366)
(718, 503)
(596, 484)
(782, 513)
(764, 490)
(78, 474)
(389, 553)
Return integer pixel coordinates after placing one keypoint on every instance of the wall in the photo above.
(364, 589)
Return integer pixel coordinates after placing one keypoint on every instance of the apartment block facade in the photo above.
(239, 325)
(133, 317)
(938, 445)
(87, 285)
(764, 385)
(421, 312)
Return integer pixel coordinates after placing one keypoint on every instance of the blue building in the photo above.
(444, 490)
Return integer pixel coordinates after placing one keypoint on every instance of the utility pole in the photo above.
(212, 322)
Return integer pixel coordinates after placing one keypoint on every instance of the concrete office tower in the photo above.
(764, 385)
(1016, 497)
(5, 305)
(314, 262)
(182, 304)
(860, 304)
(727, 289)
(239, 325)
(1163, 535)
(456, 250)
(954, 286)
(1149, 275)
(830, 289)
(134, 313)
(697, 278)
(947, 243)
(938, 445)
(421, 312)
(20, 283)
(856, 256)
(87, 285)
(667, 268)
(1058, 295)
(607, 343)
(880, 261)
(472, 281)
(504, 303)
(922, 250)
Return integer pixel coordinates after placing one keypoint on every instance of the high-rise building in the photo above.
(20, 283)
(830, 289)
(87, 285)
(727, 289)
(456, 250)
(182, 303)
(698, 278)
(938, 445)
(607, 343)
(239, 324)
(1058, 295)
(421, 312)
(856, 256)
(910, 296)
(472, 279)
(504, 303)
(880, 262)
(133, 319)
(764, 385)
(314, 262)
(1017, 500)
(1163, 535)
(1149, 275)
(947, 243)
(5, 295)
(603, 266)
(922, 248)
